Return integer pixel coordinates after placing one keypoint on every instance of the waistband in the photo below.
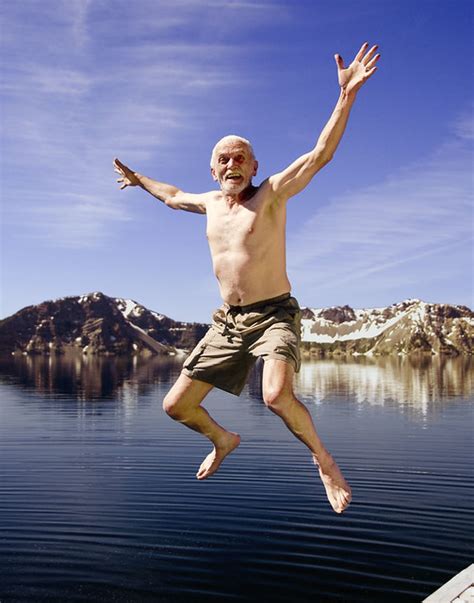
(259, 304)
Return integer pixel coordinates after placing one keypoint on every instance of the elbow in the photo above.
(321, 156)
(325, 159)
(172, 202)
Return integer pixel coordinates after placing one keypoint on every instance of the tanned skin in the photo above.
(246, 234)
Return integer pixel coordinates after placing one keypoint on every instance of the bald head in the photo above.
(229, 139)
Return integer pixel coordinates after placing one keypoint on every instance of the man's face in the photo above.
(233, 167)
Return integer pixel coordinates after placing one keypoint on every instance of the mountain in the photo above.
(403, 328)
(96, 324)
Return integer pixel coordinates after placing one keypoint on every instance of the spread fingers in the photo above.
(361, 52)
(371, 63)
(369, 55)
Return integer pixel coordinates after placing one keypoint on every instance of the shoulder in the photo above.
(211, 198)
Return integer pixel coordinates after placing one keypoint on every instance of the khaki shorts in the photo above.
(239, 335)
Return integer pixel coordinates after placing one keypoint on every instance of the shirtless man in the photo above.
(246, 234)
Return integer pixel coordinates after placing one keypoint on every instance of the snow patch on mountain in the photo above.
(411, 325)
(362, 328)
(97, 324)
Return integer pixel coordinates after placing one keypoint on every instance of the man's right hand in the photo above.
(128, 178)
(170, 195)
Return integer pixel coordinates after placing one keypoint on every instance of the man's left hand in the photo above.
(362, 67)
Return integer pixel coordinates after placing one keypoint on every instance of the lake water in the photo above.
(98, 499)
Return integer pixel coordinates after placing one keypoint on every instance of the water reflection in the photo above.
(100, 502)
(412, 382)
(88, 378)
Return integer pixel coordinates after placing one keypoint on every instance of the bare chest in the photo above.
(239, 227)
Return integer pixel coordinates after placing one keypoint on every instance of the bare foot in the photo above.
(338, 490)
(212, 461)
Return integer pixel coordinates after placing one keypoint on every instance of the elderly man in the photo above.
(259, 318)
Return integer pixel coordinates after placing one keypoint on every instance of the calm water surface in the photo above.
(98, 500)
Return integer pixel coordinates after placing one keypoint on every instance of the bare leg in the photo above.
(183, 403)
(279, 397)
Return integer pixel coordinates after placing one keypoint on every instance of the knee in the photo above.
(172, 406)
(277, 399)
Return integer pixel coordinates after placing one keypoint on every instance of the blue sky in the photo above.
(156, 83)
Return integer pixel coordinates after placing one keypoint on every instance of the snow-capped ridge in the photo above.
(404, 327)
(95, 323)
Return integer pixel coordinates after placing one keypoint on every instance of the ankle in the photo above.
(223, 439)
(323, 459)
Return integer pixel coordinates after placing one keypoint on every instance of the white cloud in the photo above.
(33, 79)
(78, 11)
(383, 230)
(464, 125)
(71, 220)
(72, 102)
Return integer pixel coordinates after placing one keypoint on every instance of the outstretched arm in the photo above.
(170, 195)
(295, 178)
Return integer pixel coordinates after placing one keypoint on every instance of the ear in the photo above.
(213, 174)
(255, 168)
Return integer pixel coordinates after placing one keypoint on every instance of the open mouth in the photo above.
(233, 177)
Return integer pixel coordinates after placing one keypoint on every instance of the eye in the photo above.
(223, 159)
(240, 158)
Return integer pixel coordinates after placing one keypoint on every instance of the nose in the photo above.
(231, 162)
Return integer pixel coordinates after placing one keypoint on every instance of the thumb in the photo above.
(339, 61)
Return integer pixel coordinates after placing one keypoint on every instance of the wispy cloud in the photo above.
(72, 101)
(76, 221)
(384, 229)
(78, 13)
(464, 125)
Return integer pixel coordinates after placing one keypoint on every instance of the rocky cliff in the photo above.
(412, 326)
(95, 324)
(98, 324)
